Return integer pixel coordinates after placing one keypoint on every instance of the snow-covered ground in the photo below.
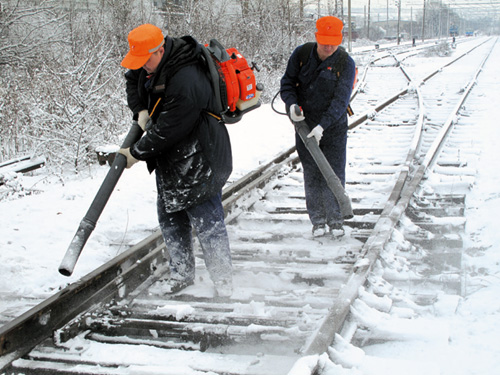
(458, 337)
(36, 229)
(459, 334)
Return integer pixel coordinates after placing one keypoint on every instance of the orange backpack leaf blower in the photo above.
(233, 81)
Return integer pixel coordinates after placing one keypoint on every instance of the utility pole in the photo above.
(398, 4)
(349, 48)
(368, 19)
(387, 18)
(411, 23)
(329, 7)
(448, 22)
(423, 23)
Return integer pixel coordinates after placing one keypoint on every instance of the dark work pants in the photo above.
(322, 206)
(207, 219)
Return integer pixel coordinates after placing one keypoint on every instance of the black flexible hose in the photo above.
(274, 109)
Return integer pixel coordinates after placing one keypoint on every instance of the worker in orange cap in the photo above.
(319, 80)
(170, 96)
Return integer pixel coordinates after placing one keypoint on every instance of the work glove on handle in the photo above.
(317, 133)
(296, 113)
(130, 159)
(143, 119)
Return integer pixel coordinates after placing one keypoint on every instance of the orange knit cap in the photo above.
(329, 30)
(143, 42)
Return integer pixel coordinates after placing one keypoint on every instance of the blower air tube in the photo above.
(331, 178)
(88, 223)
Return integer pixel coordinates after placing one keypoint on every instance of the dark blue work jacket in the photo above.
(319, 87)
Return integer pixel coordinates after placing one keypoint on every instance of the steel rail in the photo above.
(116, 278)
(385, 102)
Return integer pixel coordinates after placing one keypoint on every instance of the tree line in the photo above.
(62, 91)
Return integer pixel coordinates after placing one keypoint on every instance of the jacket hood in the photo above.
(179, 52)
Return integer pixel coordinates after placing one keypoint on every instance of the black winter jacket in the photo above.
(189, 149)
(315, 86)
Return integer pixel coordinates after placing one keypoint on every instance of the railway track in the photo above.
(293, 292)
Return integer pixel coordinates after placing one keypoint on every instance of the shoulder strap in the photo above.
(305, 53)
(339, 67)
(342, 61)
(218, 86)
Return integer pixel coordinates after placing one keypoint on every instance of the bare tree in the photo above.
(28, 31)
(63, 92)
(64, 87)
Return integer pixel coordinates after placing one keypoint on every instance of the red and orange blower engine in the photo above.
(234, 82)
